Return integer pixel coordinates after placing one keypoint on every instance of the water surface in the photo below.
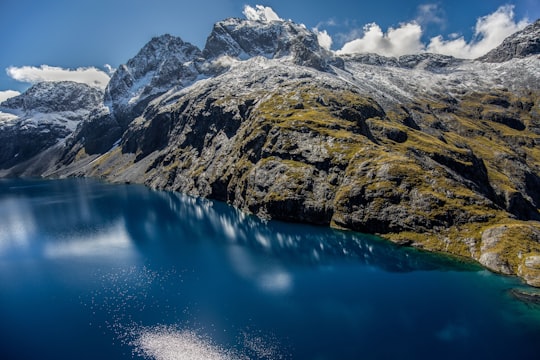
(97, 271)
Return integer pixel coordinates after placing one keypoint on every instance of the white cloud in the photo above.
(31, 74)
(430, 14)
(329, 22)
(6, 94)
(396, 42)
(260, 13)
(325, 40)
(489, 32)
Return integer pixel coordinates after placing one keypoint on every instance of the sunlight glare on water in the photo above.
(169, 343)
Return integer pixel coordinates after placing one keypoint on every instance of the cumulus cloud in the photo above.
(489, 32)
(6, 94)
(395, 42)
(260, 13)
(31, 74)
(325, 40)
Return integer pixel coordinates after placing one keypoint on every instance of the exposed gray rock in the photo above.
(54, 97)
(163, 63)
(424, 61)
(527, 296)
(519, 45)
(533, 262)
(244, 39)
(489, 257)
(41, 117)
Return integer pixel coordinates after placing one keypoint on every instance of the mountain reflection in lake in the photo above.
(90, 221)
(93, 270)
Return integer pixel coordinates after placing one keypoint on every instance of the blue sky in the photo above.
(91, 33)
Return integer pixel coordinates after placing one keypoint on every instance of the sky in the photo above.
(85, 40)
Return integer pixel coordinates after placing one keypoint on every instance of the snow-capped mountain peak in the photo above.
(49, 97)
(244, 39)
(164, 62)
(42, 117)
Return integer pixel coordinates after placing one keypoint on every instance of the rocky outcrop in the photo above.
(426, 61)
(54, 97)
(497, 250)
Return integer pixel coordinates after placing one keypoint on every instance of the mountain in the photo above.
(519, 45)
(41, 117)
(163, 63)
(244, 39)
(424, 150)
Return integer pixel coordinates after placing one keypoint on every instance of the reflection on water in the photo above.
(100, 215)
(16, 224)
(91, 270)
(112, 241)
(61, 219)
(299, 243)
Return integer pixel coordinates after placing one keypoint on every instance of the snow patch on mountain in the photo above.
(423, 78)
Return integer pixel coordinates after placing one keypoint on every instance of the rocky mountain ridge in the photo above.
(163, 63)
(519, 45)
(426, 150)
(43, 116)
(244, 39)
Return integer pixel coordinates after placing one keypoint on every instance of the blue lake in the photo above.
(90, 270)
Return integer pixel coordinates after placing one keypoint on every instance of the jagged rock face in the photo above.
(50, 97)
(424, 61)
(521, 44)
(162, 64)
(244, 39)
(45, 114)
(247, 38)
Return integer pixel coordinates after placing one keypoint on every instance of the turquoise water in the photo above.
(97, 271)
